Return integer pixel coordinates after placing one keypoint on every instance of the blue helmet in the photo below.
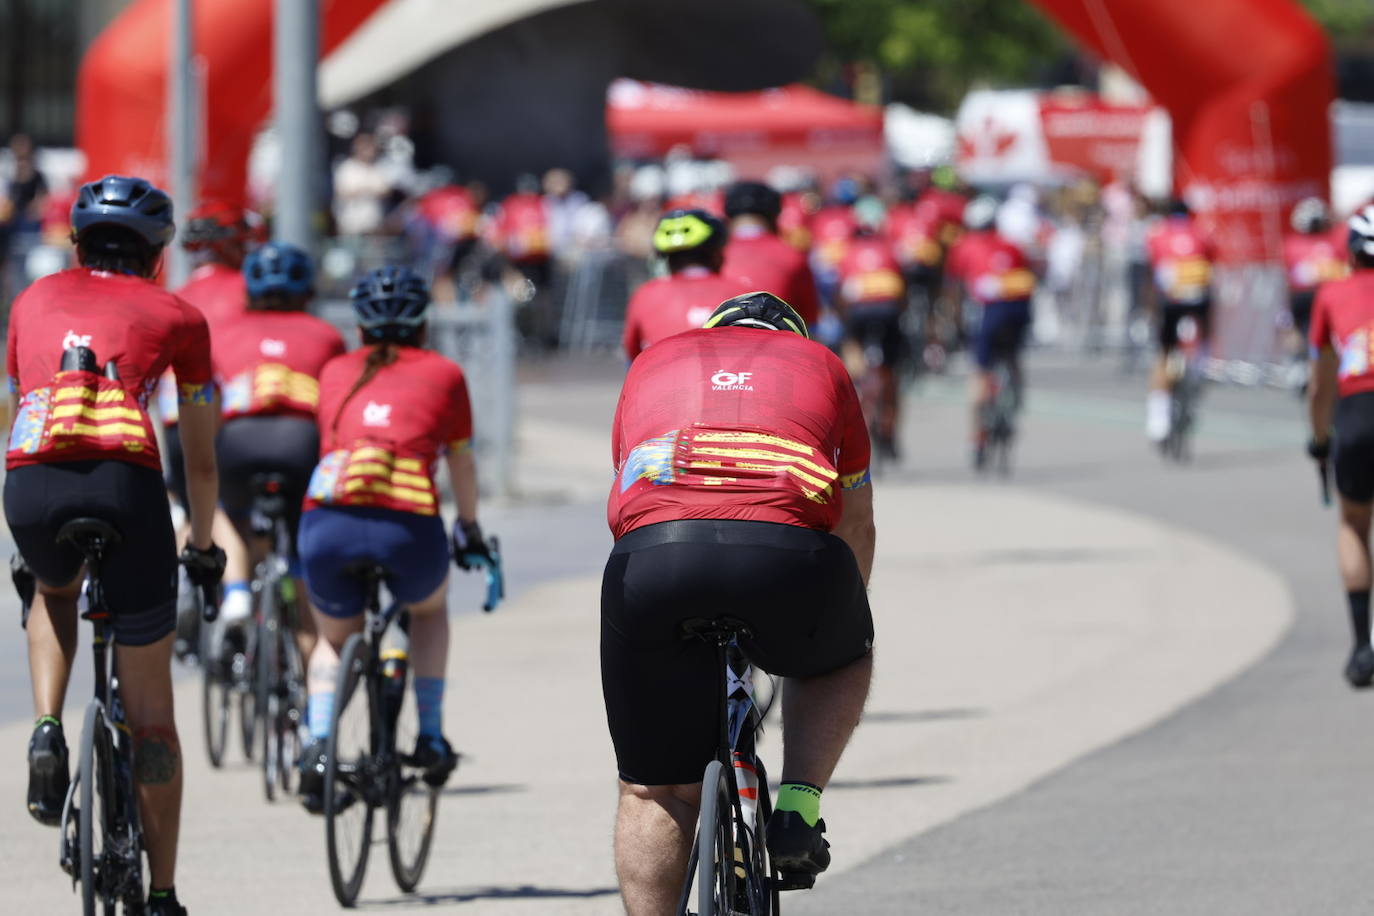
(129, 203)
(390, 302)
(278, 268)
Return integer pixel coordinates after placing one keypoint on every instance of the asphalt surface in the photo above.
(1247, 801)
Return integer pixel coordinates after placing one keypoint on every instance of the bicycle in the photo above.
(1184, 368)
(998, 418)
(280, 676)
(228, 673)
(729, 864)
(101, 843)
(364, 770)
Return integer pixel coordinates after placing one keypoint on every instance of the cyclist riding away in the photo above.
(268, 361)
(1312, 255)
(741, 491)
(1181, 256)
(757, 254)
(387, 411)
(871, 299)
(693, 243)
(995, 275)
(1342, 389)
(82, 445)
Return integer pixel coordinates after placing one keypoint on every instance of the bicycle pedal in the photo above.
(795, 881)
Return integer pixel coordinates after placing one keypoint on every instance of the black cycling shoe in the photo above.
(48, 778)
(164, 906)
(435, 757)
(798, 850)
(312, 776)
(1359, 670)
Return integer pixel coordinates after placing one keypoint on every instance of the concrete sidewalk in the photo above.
(1015, 632)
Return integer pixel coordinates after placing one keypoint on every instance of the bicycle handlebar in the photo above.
(496, 577)
(1324, 475)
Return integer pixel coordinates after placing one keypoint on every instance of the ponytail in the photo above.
(382, 354)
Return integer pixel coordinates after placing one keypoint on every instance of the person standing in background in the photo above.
(21, 214)
(361, 186)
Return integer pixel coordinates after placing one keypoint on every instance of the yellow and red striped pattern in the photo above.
(717, 457)
(81, 416)
(371, 474)
(270, 388)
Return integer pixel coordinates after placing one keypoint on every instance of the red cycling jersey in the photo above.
(379, 448)
(81, 416)
(1312, 260)
(1343, 318)
(670, 305)
(766, 262)
(522, 228)
(870, 274)
(451, 211)
(991, 268)
(794, 221)
(915, 234)
(831, 230)
(218, 291)
(946, 209)
(268, 363)
(736, 423)
(1182, 255)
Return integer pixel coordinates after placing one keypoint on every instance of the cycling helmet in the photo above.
(1361, 238)
(128, 203)
(1177, 206)
(216, 222)
(980, 213)
(278, 268)
(390, 302)
(753, 198)
(757, 310)
(688, 230)
(1310, 216)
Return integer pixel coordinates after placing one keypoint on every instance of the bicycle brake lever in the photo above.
(209, 606)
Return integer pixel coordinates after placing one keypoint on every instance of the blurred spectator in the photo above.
(361, 186)
(21, 214)
(562, 202)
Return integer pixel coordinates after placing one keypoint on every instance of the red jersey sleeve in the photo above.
(458, 434)
(855, 449)
(191, 358)
(1320, 334)
(631, 337)
(11, 350)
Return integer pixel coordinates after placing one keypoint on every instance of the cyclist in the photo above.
(1311, 256)
(1181, 257)
(871, 299)
(386, 413)
(758, 255)
(82, 444)
(693, 244)
(993, 274)
(268, 361)
(1342, 390)
(741, 487)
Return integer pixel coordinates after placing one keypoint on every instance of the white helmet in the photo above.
(980, 213)
(1361, 239)
(1310, 215)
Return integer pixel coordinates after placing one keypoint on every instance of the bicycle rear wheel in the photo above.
(411, 804)
(350, 773)
(214, 707)
(249, 709)
(268, 697)
(764, 873)
(95, 776)
(717, 882)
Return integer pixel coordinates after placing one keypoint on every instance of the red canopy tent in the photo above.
(793, 125)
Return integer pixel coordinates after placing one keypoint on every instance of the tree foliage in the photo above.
(1349, 22)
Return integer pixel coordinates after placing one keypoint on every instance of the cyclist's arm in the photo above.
(1321, 392)
(199, 421)
(462, 473)
(856, 527)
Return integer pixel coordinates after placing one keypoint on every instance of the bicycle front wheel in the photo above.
(350, 773)
(717, 882)
(95, 775)
(267, 701)
(214, 707)
(411, 804)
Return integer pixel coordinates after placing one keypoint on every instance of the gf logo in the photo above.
(74, 339)
(731, 381)
(270, 347)
(375, 414)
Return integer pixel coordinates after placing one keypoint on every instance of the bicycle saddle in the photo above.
(269, 493)
(717, 628)
(86, 533)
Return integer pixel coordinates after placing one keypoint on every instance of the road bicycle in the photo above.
(101, 842)
(228, 682)
(998, 418)
(1184, 370)
(729, 868)
(280, 676)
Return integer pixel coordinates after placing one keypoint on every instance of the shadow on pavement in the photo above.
(469, 895)
(924, 715)
(493, 789)
(889, 782)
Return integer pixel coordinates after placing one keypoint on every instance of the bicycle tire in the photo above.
(266, 703)
(715, 844)
(95, 771)
(763, 862)
(248, 701)
(347, 781)
(410, 801)
(214, 707)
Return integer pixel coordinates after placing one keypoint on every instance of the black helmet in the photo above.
(390, 302)
(753, 198)
(757, 310)
(129, 203)
(688, 230)
(1361, 237)
(278, 268)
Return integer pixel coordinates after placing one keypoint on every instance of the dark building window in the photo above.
(40, 49)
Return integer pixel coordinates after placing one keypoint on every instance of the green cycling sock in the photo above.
(801, 797)
(41, 719)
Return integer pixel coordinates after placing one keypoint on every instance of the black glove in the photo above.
(1318, 451)
(203, 567)
(470, 551)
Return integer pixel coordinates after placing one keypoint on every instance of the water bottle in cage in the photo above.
(395, 659)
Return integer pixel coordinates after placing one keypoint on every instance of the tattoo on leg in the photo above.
(156, 756)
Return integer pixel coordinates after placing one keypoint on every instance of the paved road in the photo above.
(1245, 802)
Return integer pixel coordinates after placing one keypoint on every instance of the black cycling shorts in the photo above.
(879, 326)
(799, 590)
(1174, 312)
(139, 574)
(1353, 453)
(1300, 307)
(289, 446)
